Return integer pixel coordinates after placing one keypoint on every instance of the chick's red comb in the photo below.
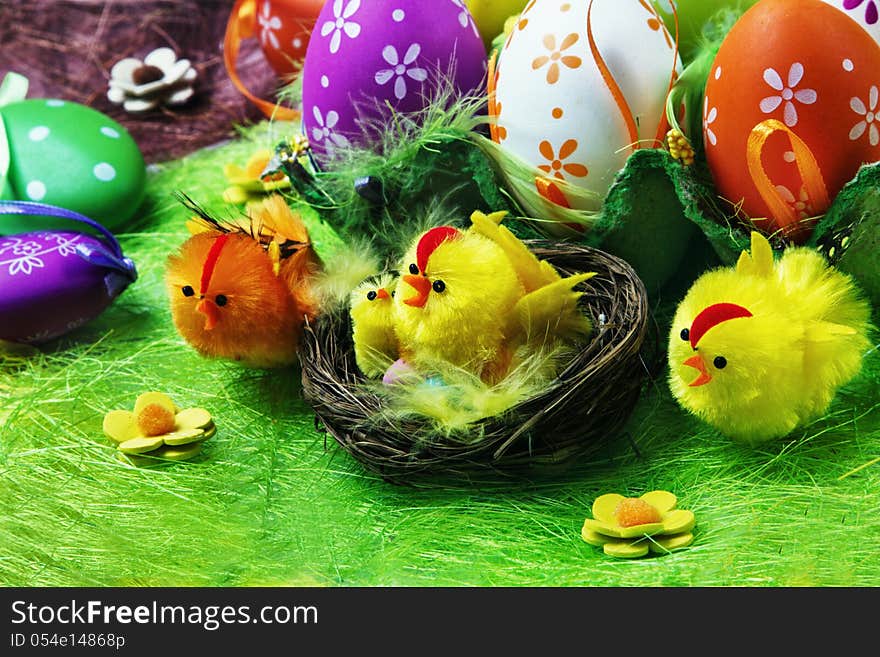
(211, 261)
(712, 316)
(430, 241)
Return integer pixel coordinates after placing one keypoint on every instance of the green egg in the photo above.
(66, 154)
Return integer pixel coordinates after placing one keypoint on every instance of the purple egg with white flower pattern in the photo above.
(55, 281)
(365, 59)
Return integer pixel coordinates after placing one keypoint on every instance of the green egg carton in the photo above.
(848, 233)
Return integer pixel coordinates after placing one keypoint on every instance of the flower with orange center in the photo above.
(247, 183)
(631, 527)
(557, 162)
(158, 428)
(555, 58)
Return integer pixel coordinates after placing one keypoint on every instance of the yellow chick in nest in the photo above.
(240, 290)
(473, 298)
(372, 318)
(760, 349)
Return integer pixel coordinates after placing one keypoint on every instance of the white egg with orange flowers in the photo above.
(791, 111)
(578, 85)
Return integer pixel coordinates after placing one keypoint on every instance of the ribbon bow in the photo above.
(107, 255)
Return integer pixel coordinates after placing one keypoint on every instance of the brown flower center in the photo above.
(155, 420)
(146, 74)
(632, 511)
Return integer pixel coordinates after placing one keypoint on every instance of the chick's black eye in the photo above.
(187, 290)
(371, 295)
(413, 269)
(439, 286)
(685, 335)
(221, 300)
(720, 362)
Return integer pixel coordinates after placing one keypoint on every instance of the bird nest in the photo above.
(587, 403)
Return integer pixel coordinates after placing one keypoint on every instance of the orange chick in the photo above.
(241, 290)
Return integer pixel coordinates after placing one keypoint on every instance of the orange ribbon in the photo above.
(781, 213)
(663, 126)
(611, 83)
(493, 107)
(617, 93)
(241, 26)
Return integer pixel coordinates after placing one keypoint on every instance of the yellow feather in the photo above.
(275, 256)
(760, 262)
(532, 272)
(551, 312)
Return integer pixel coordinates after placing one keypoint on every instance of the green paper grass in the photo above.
(271, 501)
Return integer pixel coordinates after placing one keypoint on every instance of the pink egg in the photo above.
(366, 58)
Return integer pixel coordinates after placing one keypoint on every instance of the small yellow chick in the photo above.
(375, 343)
(472, 298)
(760, 349)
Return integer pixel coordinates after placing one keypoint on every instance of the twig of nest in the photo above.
(590, 400)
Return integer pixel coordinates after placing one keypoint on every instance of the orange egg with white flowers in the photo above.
(283, 28)
(791, 111)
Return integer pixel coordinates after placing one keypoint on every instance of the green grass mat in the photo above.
(270, 501)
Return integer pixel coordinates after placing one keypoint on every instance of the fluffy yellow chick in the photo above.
(760, 349)
(375, 343)
(472, 298)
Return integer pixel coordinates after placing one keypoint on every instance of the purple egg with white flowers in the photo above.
(52, 282)
(367, 58)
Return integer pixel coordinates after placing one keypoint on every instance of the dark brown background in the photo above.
(67, 48)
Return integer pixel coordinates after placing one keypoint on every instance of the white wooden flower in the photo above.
(160, 79)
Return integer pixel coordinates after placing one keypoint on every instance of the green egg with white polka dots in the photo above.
(70, 155)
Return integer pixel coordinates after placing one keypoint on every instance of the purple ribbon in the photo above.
(107, 255)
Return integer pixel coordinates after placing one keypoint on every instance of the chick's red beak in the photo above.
(211, 312)
(697, 363)
(422, 286)
(382, 293)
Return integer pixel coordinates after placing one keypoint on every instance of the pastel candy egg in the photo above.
(72, 156)
(49, 287)
(367, 59)
(791, 111)
(555, 109)
(283, 28)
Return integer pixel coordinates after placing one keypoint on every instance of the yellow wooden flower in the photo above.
(158, 428)
(631, 527)
(246, 183)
